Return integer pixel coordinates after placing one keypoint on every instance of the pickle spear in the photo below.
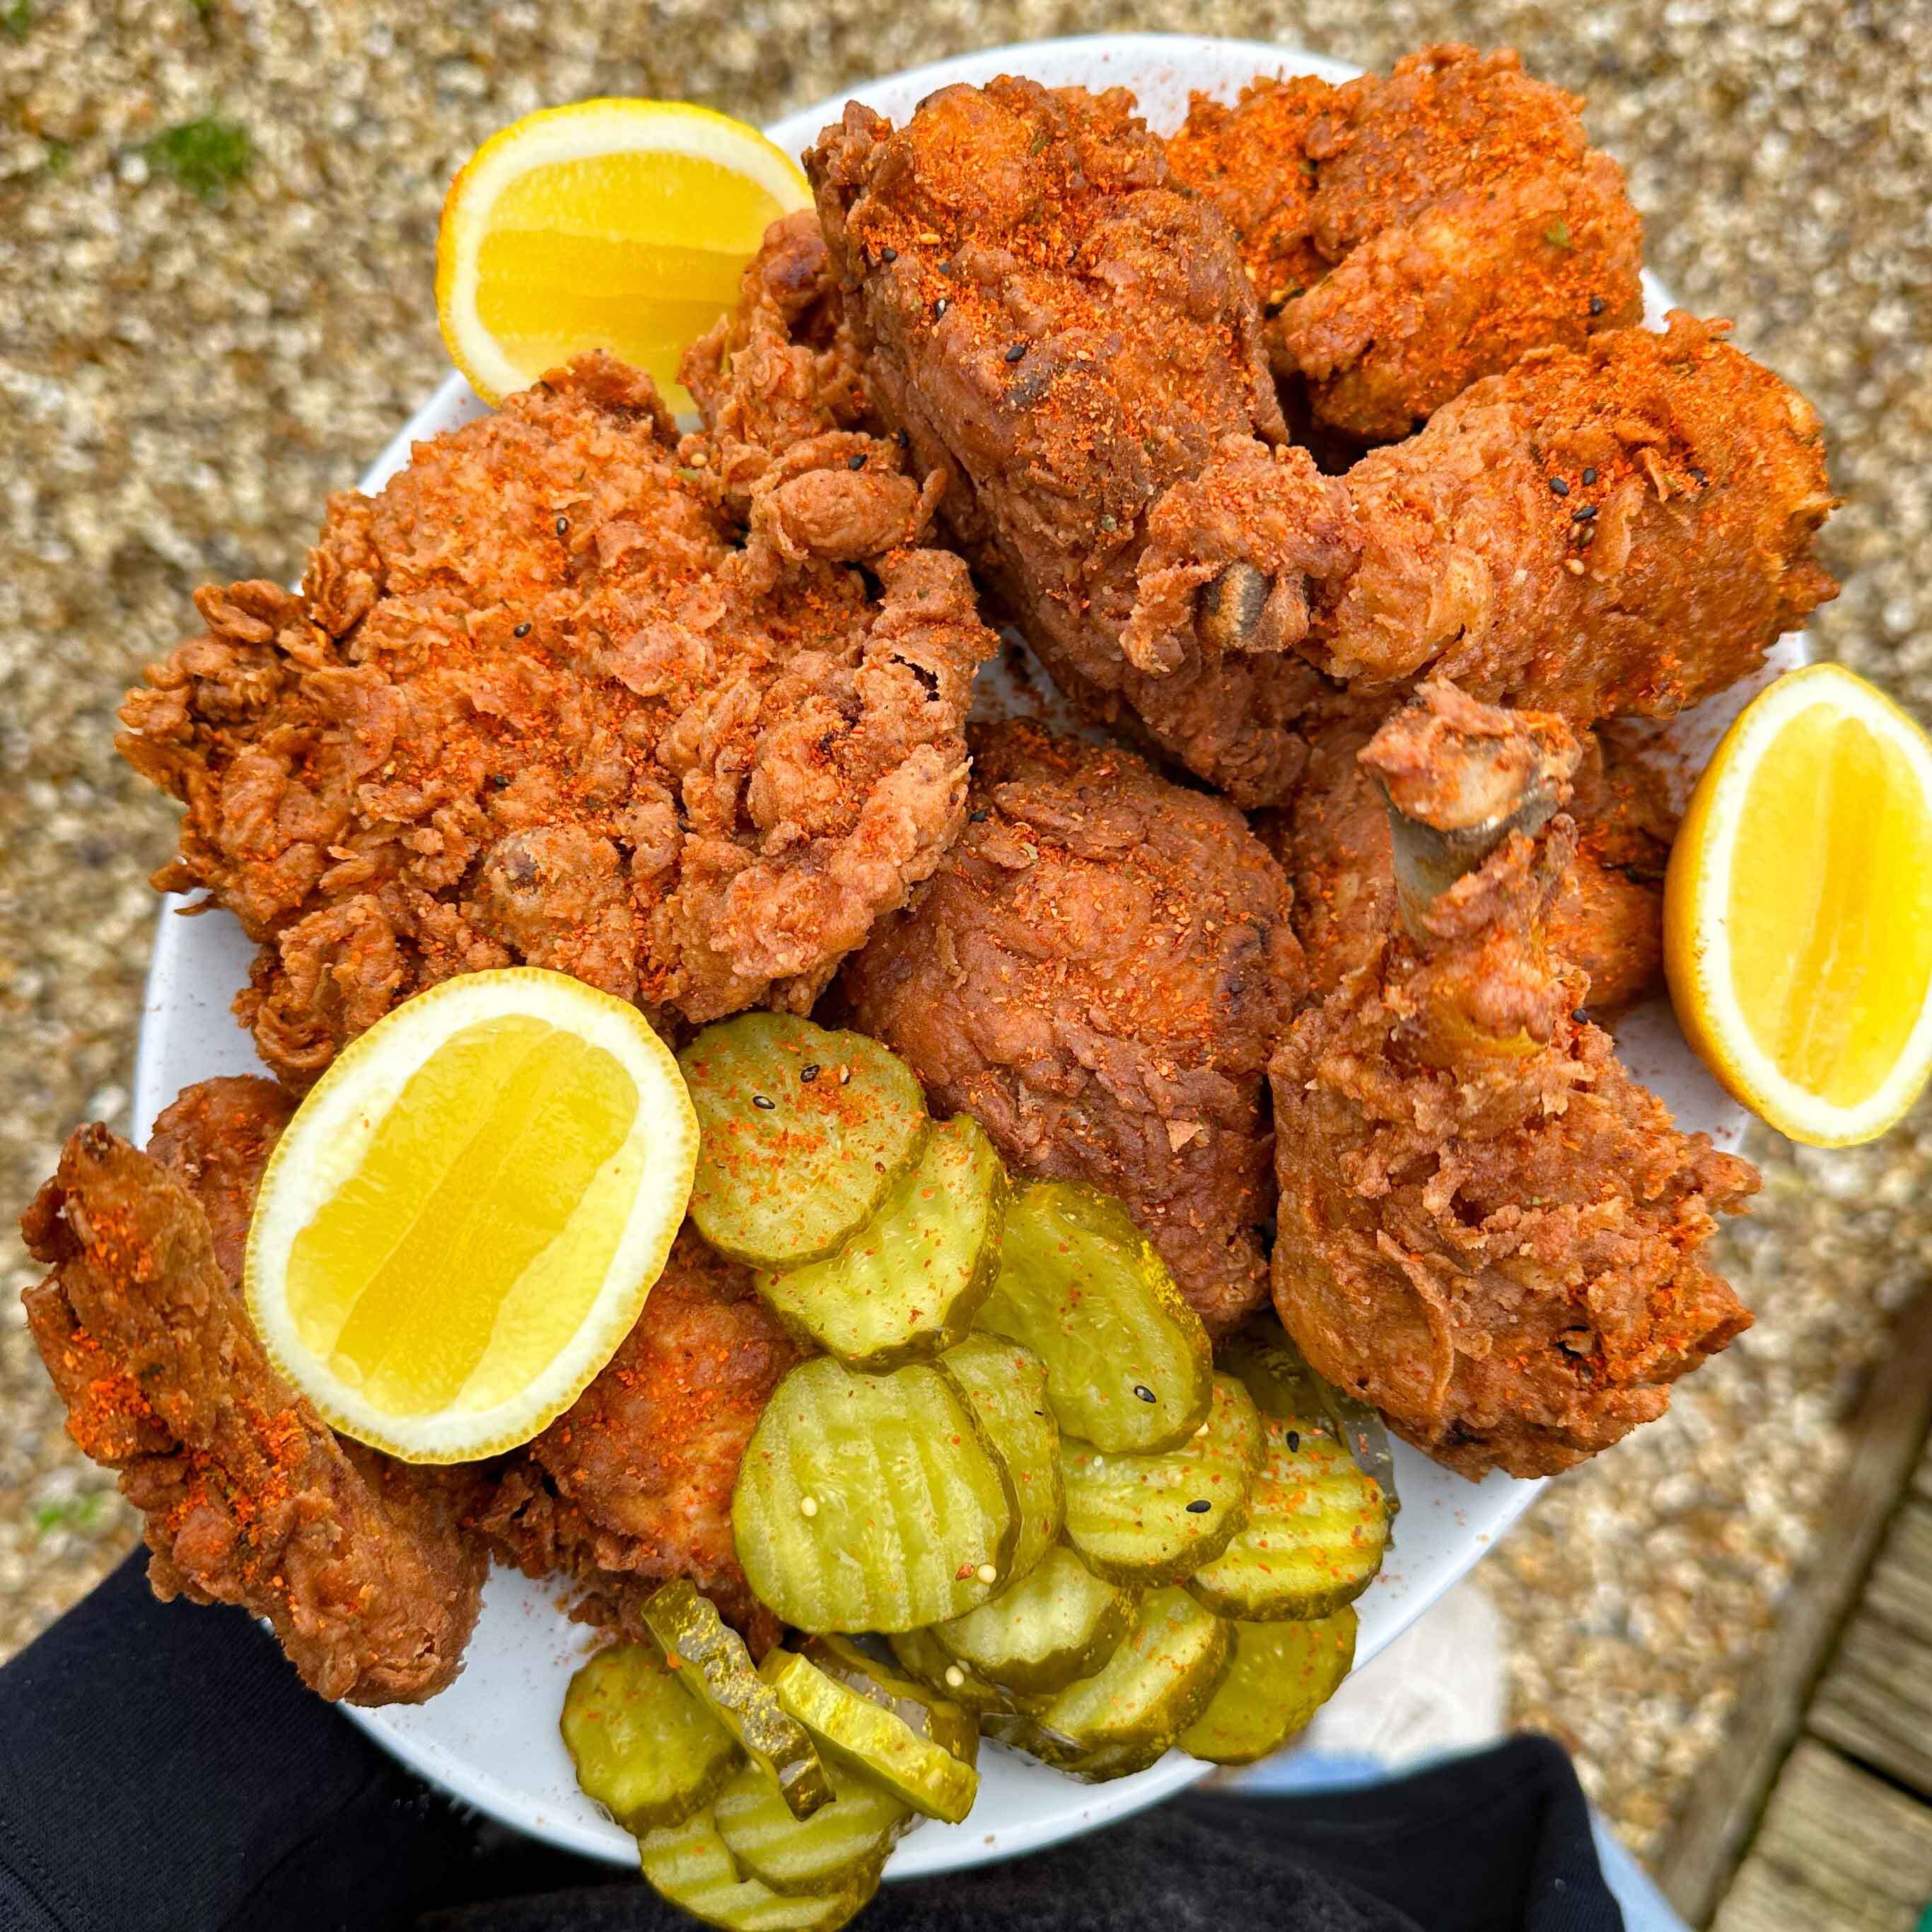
(842, 1843)
(1005, 1383)
(873, 1740)
(871, 1502)
(1156, 1518)
(909, 1282)
(645, 1748)
(1129, 1368)
(717, 1667)
(802, 1134)
(1282, 1675)
(691, 1865)
(1059, 1623)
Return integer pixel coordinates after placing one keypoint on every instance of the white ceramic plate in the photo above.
(492, 1738)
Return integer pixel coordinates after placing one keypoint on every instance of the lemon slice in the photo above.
(608, 224)
(463, 1220)
(1798, 912)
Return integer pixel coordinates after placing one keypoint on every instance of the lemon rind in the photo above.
(321, 1144)
(579, 131)
(1710, 1015)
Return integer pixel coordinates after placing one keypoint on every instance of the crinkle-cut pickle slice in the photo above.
(1316, 1531)
(1282, 1675)
(1005, 1383)
(1150, 1519)
(1275, 1372)
(1058, 1623)
(1019, 1732)
(803, 1133)
(1128, 1367)
(719, 1670)
(928, 1713)
(644, 1748)
(1148, 1692)
(873, 1740)
(908, 1283)
(871, 1502)
(935, 1666)
(690, 1864)
(842, 1843)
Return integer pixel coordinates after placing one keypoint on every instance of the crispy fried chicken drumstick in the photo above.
(1056, 325)
(359, 1562)
(559, 695)
(1097, 974)
(1408, 235)
(1487, 1228)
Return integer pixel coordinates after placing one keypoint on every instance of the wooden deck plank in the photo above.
(1838, 1849)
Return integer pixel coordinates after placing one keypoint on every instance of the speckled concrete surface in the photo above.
(183, 374)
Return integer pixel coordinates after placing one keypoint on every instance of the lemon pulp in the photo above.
(413, 1298)
(1831, 947)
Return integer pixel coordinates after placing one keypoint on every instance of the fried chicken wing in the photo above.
(358, 1563)
(1054, 323)
(1487, 1228)
(560, 695)
(1411, 234)
(633, 1483)
(1097, 974)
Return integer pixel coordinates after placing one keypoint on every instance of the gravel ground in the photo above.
(202, 333)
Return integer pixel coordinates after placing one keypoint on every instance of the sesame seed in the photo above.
(1294, 1440)
(759, 1100)
(939, 308)
(808, 1505)
(978, 817)
(888, 255)
(1014, 354)
(955, 1678)
(521, 630)
(987, 1574)
(1589, 475)
(1558, 487)
(1584, 515)
(856, 463)
(1596, 304)
(1145, 1393)
(563, 527)
(1574, 566)
(807, 1074)
(1199, 1507)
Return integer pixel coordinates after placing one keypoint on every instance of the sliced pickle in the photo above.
(1276, 1373)
(1057, 1624)
(717, 1668)
(1005, 1383)
(842, 1843)
(1128, 1364)
(802, 1133)
(931, 1714)
(1316, 1530)
(1150, 1689)
(1020, 1733)
(644, 1748)
(871, 1502)
(873, 1741)
(1282, 1675)
(1156, 1519)
(909, 1282)
(935, 1666)
(691, 1865)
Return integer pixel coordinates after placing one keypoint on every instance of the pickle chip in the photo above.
(1316, 1531)
(1156, 1519)
(690, 1865)
(930, 1713)
(1018, 1732)
(717, 1668)
(1128, 1367)
(802, 1133)
(644, 1748)
(1059, 1622)
(935, 1666)
(909, 1282)
(873, 1741)
(1005, 1383)
(1282, 1675)
(842, 1843)
(871, 1502)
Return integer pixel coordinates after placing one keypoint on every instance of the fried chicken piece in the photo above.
(633, 1483)
(358, 1563)
(1486, 1229)
(1408, 235)
(1607, 918)
(549, 699)
(1097, 974)
(1056, 325)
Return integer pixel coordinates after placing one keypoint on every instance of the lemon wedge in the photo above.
(608, 224)
(464, 1217)
(1798, 911)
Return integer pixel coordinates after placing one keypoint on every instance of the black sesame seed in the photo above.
(939, 308)
(807, 1074)
(1698, 476)
(905, 440)
(1200, 1507)
(769, 1106)
(978, 817)
(1145, 1393)
(1014, 354)
(888, 255)
(1596, 304)
(1589, 476)
(1580, 1017)
(1584, 515)
(1294, 1441)
(856, 463)
(521, 630)
(1558, 487)
(563, 527)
